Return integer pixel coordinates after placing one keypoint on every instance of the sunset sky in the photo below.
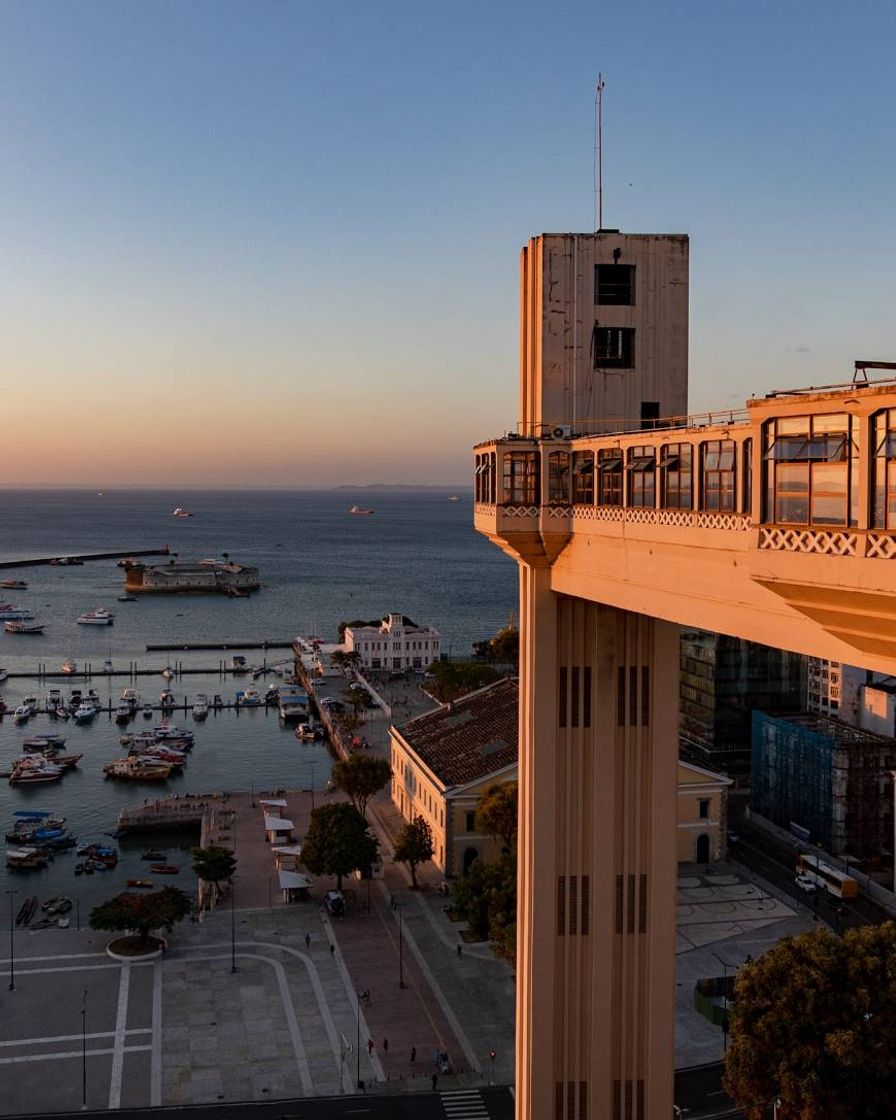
(272, 242)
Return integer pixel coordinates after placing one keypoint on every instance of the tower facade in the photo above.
(603, 331)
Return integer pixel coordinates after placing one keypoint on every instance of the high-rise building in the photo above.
(723, 679)
(834, 689)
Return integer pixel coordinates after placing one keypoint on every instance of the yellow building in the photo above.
(445, 760)
(702, 814)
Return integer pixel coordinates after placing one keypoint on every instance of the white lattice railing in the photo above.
(829, 542)
(737, 522)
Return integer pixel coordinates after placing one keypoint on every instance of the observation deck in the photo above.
(774, 523)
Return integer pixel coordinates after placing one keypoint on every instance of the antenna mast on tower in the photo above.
(599, 153)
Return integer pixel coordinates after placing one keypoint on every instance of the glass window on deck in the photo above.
(807, 464)
(558, 477)
(609, 477)
(884, 436)
(641, 470)
(675, 466)
(718, 471)
(583, 478)
(521, 480)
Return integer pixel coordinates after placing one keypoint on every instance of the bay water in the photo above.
(318, 564)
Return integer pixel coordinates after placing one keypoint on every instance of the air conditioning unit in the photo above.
(562, 431)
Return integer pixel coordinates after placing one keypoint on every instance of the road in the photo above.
(775, 862)
(487, 1103)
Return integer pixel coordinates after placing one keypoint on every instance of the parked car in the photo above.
(805, 883)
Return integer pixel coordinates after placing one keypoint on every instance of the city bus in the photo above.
(835, 882)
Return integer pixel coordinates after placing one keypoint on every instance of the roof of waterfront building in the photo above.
(470, 737)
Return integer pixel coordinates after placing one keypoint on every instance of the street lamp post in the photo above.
(232, 927)
(311, 762)
(724, 965)
(12, 962)
(84, 1052)
(357, 1036)
(399, 906)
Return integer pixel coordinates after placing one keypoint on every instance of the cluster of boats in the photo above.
(45, 761)
(56, 912)
(152, 754)
(35, 837)
(95, 857)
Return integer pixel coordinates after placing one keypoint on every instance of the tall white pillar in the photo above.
(596, 914)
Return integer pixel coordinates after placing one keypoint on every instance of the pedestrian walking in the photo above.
(369, 1045)
(413, 1053)
(460, 950)
(307, 940)
(332, 948)
(385, 1045)
(435, 1081)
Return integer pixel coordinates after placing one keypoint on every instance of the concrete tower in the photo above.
(604, 331)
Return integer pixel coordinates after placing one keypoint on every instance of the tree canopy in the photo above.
(361, 776)
(214, 865)
(451, 679)
(486, 898)
(498, 811)
(813, 1023)
(142, 913)
(337, 842)
(414, 845)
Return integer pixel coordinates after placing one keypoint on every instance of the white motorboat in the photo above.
(168, 673)
(238, 663)
(147, 711)
(107, 666)
(54, 700)
(3, 673)
(248, 697)
(85, 712)
(30, 702)
(200, 708)
(21, 714)
(14, 614)
(99, 616)
(123, 711)
(166, 698)
(69, 666)
(181, 513)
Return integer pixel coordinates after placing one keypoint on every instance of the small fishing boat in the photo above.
(69, 666)
(360, 510)
(13, 584)
(143, 884)
(123, 712)
(166, 699)
(181, 512)
(137, 769)
(127, 598)
(156, 857)
(43, 740)
(164, 869)
(248, 697)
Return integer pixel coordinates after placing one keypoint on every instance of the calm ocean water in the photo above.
(318, 565)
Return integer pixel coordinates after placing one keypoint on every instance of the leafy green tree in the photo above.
(361, 776)
(486, 898)
(142, 913)
(813, 1023)
(498, 811)
(451, 679)
(214, 865)
(337, 842)
(505, 645)
(414, 846)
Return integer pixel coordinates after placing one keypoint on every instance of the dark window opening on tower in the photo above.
(614, 348)
(614, 285)
(650, 413)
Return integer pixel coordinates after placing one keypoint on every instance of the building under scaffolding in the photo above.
(833, 780)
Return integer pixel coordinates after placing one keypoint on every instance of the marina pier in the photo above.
(82, 558)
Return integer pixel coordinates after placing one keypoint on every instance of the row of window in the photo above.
(810, 473)
(635, 477)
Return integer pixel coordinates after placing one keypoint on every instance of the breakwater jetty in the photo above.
(252, 643)
(82, 558)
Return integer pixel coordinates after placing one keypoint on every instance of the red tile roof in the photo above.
(471, 737)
